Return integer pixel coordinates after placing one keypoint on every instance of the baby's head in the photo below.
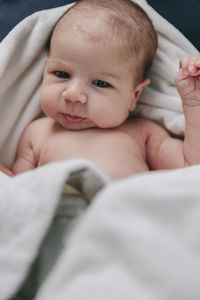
(106, 20)
(104, 49)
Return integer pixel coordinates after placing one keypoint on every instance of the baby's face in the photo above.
(86, 83)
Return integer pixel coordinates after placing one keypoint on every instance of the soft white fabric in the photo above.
(28, 204)
(131, 243)
(139, 239)
(135, 243)
(22, 59)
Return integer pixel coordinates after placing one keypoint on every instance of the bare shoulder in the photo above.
(142, 123)
(38, 126)
(143, 127)
(40, 123)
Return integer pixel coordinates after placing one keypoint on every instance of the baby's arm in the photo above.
(188, 85)
(161, 150)
(165, 152)
(25, 159)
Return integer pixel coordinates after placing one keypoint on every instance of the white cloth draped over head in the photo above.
(22, 59)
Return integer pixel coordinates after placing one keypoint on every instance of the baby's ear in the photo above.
(137, 92)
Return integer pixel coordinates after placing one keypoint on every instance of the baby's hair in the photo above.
(128, 21)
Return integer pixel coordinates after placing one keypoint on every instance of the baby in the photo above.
(100, 52)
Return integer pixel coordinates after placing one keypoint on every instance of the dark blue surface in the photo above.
(13, 11)
(183, 14)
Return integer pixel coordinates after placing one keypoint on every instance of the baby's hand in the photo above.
(5, 170)
(188, 80)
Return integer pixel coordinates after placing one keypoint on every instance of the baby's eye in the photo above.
(101, 84)
(61, 74)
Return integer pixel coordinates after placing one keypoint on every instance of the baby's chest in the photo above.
(99, 146)
(59, 147)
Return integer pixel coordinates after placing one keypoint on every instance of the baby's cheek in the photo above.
(111, 120)
(118, 117)
(42, 102)
(45, 105)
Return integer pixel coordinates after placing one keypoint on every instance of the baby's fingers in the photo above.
(194, 65)
(184, 61)
(183, 69)
(5, 170)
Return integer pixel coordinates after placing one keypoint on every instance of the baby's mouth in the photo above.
(73, 119)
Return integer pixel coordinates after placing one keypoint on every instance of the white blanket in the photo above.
(131, 243)
(139, 239)
(135, 243)
(28, 204)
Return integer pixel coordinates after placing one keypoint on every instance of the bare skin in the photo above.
(131, 148)
(6, 170)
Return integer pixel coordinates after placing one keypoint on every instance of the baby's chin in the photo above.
(77, 126)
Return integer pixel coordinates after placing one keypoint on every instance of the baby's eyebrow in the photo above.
(108, 74)
(55, 63)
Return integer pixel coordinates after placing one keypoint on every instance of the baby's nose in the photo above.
(74, 93)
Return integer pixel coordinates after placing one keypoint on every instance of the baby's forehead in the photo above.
(97, 26)
(84, 21)
(101, 26)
